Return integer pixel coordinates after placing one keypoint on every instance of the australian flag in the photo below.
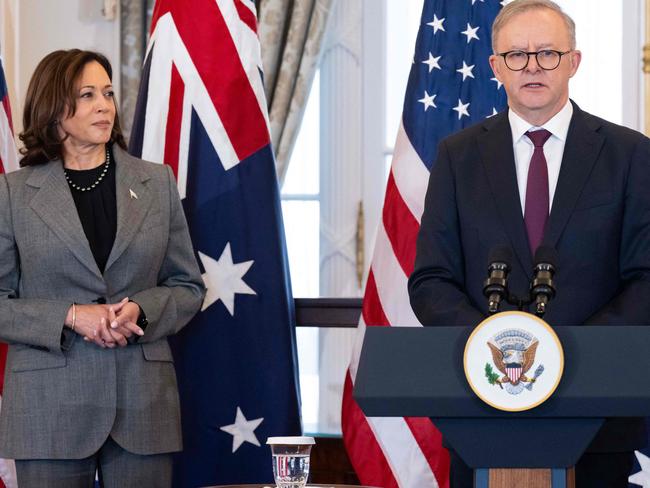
(202, 110)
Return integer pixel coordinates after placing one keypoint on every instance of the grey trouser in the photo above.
(116, 467)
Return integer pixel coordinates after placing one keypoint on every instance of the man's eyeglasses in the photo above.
(547, 59)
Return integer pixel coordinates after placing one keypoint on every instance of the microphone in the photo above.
(542, 289)
(495, 287)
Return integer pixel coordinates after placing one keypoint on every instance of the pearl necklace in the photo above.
(101, 176)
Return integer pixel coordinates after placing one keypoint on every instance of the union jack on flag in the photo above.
(201, 109)
(451, 86)
(8, 162)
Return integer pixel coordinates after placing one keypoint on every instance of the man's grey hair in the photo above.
(519, 7)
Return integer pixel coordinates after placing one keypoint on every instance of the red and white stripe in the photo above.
(394, 452)
(8, 162)
(514, 374)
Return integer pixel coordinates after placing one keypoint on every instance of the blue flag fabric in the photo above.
(236, 360)
(451, 85)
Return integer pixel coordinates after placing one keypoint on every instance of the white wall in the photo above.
(29, 29)
(608, 82)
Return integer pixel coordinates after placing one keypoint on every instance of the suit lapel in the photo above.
(495, 145)
(53, 203)
(583, 144)
(133, 202)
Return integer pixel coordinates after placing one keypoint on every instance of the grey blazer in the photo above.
(64, 396)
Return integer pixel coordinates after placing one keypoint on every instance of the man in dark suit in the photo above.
(543, 172)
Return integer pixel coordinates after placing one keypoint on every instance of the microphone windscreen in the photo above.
(546, 255)
(500, 254)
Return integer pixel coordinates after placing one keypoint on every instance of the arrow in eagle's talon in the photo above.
(538, 373)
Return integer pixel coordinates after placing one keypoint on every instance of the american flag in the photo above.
(451, 86)
(8, 154)
(201, 109)
(8, 162)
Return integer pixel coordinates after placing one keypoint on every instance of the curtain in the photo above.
(291, 35)
(135, 18)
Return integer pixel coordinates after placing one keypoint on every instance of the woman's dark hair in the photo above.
(52, 94)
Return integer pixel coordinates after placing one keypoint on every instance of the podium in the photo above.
(418, 372)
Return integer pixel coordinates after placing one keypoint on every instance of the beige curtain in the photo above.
(291, 35)
(135, 18)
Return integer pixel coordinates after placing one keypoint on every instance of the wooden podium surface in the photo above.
(530, 478)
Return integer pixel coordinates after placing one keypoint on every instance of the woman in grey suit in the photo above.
(96, 270)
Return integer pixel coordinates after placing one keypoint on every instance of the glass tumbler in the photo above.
(290, 460)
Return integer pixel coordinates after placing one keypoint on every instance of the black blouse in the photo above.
(97, 209)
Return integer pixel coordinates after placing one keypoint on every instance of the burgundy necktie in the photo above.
(536, 210)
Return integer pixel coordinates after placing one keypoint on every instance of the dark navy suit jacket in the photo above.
(599, 225)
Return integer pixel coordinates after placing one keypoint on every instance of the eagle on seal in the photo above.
(513, 359)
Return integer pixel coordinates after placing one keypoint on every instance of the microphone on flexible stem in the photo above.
(495, 287)
(542, 289)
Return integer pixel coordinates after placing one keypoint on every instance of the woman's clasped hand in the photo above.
(107, 325)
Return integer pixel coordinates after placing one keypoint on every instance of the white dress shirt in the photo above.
(523, 147)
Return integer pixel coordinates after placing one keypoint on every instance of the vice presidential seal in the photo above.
(513, 361)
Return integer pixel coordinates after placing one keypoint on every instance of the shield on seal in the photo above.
(514, 372)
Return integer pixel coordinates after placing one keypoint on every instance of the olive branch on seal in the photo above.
(491, 376)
